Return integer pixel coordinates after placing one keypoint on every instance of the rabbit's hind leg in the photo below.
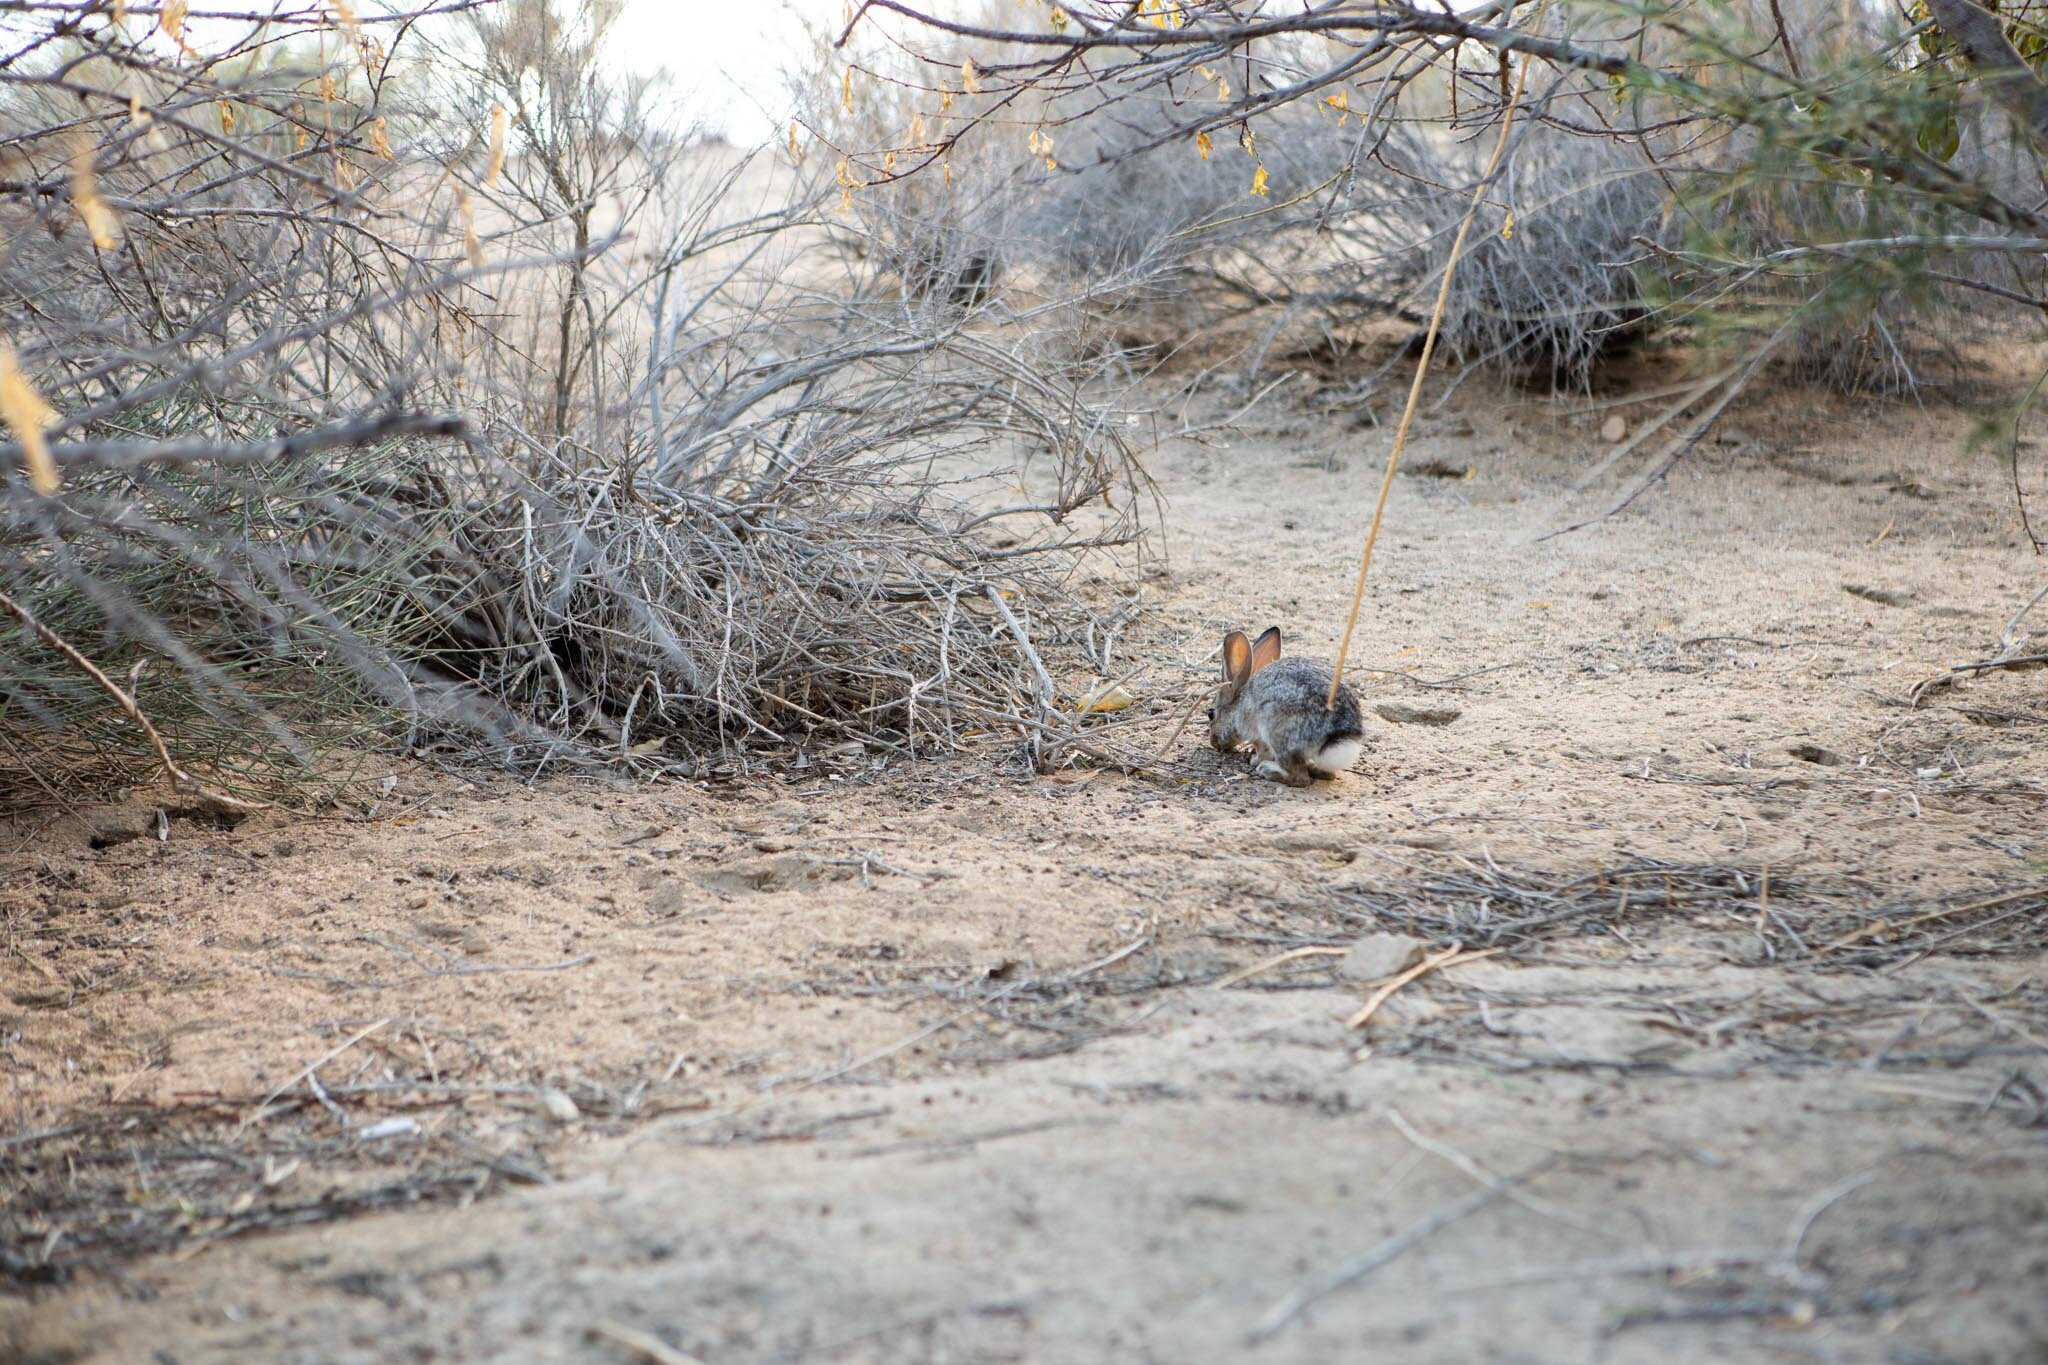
(1294, 773)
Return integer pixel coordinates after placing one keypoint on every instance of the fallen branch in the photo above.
(2008, 638)
(1045, 687)
(180, 779)
(134, 454)
(306, 1072)
(1986, 665)
(1358, 1267)
(1887, 926)
(1682, 446)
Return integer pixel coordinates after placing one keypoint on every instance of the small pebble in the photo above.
(1408, 713)
(1379, 956)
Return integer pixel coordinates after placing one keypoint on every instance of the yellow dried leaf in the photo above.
(1204, 145)
(968, 80)
(347, 16)
(227, 116)
(1223, 89)
(945, 100)
(171, 19)
(380, 140)
(1259, 181)
(915, 138)
(846, 90)
(26, 414)
(120, 12)
(1507, 228)
(1106, 697)
(1058, 19)
(99, 218)
(497, 162)
(796, 153)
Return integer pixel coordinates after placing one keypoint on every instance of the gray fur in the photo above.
(1279, 711)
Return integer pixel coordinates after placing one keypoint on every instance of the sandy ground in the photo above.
(945, 1062)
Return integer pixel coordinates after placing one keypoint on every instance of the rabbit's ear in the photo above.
(1267, 649)
(1237, 660)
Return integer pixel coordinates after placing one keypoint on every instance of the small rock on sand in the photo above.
(1409, 713)
(1884, 597)
(1378, 956)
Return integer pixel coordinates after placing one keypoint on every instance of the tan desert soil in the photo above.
(932, 1062)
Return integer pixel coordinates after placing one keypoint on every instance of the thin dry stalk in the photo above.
(1436, 319)
(1453, 956)
(1244, 974)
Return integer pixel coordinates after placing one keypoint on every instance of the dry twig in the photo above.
(1453, 956)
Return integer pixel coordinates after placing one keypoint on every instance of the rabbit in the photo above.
(1278, 707)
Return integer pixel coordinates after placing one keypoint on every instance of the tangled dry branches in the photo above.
(403, 372)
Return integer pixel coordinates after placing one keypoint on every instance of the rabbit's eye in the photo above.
(1212, 713)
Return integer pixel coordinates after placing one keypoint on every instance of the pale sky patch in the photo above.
(727, 63)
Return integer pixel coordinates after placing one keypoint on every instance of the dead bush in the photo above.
(408, 382)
